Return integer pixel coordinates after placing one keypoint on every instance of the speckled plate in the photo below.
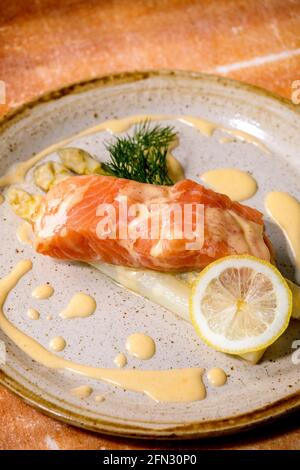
(253, 394)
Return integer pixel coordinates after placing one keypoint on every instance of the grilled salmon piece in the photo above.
(84, 218)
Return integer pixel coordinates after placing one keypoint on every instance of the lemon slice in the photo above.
(240, 304)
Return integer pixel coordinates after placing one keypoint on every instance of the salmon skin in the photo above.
(67, 224)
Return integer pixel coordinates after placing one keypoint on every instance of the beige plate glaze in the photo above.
(253, 393)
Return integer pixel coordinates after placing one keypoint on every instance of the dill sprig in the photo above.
(143, 156)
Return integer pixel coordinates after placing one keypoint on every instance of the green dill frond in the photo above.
(143, 156)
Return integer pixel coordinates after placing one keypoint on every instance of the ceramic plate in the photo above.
(253, 394)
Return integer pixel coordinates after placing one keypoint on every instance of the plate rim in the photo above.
(195, 430)
(212, 428)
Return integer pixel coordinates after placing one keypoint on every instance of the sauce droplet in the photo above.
(120, 360)
(81, 305)
(25, 233)
(217, 377)
(43, 292)
(84, 391)
(57, 344)
(99, 398)
(236, 184)
(33, 314)
(226, 140)
(285, 211)
(140, 346)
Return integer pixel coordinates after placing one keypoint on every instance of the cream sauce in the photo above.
(245, 137)
(1, 199)
(252, 237)
(226, 140)
(59, 215)
(236, 184)
(175, 169)
(43, 292)
(84, 391)
(140, 346)
(33, 314)
(80, 306)
(57, 344)
(17, 173)
(120, 360)
(25, 234)
(208, 128)
(99, 398)
(202, 125)
(217, 377)
(177, 385)
(285, 211)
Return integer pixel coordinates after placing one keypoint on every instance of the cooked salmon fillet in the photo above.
(80, 219)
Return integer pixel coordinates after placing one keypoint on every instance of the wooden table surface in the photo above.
(45, 44)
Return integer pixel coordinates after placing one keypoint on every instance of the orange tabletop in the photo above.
(46, 44)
